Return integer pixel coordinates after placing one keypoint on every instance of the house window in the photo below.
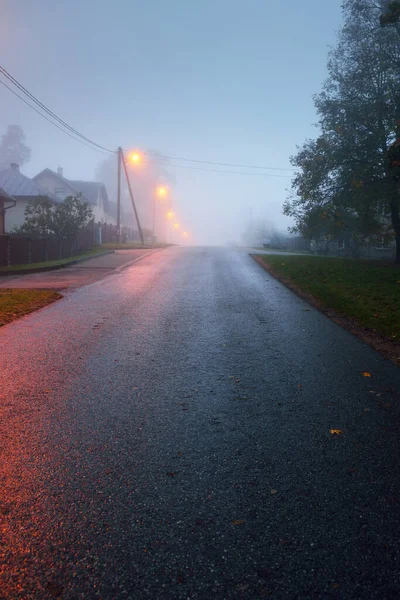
(60, 193)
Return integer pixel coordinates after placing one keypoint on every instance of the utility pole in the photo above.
(154, 220)
(119, 196)
(122, 159)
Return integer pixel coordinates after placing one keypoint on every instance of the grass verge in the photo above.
(15, 303)
(363, 296)
(53, 263)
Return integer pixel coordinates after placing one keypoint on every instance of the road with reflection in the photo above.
(166, 433)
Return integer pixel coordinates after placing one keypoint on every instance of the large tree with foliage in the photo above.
(61, 221)
(344, 176)
(13, 148)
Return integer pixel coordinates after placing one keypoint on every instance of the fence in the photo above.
(104, 233)
(336, 248)
(21, 250)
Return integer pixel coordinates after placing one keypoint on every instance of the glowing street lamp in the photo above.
(135, 158)
(185, 234)
(161, 191)
(176, 225)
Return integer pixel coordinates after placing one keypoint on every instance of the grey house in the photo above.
(22, 189)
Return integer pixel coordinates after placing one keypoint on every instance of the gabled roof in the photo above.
(5, 196)
(91, 189)
(16, 184)
(62, 180)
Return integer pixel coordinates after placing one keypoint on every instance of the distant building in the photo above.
(6, 202)
(93, 192)
(23, 190)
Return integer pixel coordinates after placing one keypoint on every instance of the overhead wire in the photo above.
(16, 83)
(74, 134)
(47, 119)
(220, 164)
(230, 172)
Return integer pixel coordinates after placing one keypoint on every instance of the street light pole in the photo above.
(119, 196)
(154, 219)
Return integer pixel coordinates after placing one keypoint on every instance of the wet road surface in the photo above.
(165, 433)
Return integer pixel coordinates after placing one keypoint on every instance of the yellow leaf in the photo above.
(274, 491)
(336, 431)
(366, 374)
(238, 522)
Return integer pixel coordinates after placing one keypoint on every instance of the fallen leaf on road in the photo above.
(387, 405)
(306, 309)
(238, 522)
(366, 374)
(274, 491)
(171, 474)
(336, 431)
(335, 586)
(237, 380)
(367, 410)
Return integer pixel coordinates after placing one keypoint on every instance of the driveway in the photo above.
(189, 428)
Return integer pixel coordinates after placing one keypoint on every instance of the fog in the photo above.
(187, 86)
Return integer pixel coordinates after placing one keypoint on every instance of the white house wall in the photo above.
(15, 216)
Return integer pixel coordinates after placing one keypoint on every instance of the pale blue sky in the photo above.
(218, 80)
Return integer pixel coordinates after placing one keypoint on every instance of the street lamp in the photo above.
(161, 192)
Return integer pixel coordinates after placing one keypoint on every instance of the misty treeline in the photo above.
(262, 231)
(13, 148)
(344, 188)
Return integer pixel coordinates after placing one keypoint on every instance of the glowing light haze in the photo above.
(218, 80)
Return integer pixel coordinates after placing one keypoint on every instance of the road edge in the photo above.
(384, 346)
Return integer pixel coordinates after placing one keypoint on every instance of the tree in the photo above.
(346, 168)
(12, 147)
(392, 15)
(61, 221)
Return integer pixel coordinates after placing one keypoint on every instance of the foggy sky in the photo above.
(218, 80)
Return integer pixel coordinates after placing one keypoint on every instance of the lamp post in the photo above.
(161, 192)
(135, 159)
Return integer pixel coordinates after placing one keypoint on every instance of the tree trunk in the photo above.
(395, 214)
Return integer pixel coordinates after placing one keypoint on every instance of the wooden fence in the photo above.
(21, 250)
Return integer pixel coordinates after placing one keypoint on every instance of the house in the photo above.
(93, 192)
(4, 200)
(23, 190)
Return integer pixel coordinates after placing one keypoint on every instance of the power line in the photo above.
(230, 172)
(14, 81)
(47, 119)
(220, 164)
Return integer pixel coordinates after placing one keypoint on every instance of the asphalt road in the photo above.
(165, 433)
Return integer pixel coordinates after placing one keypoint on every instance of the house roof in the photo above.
(64, 181)
(4, 195)
(15, 183)
(91, 189)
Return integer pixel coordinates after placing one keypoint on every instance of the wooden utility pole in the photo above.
(119, 196)
(122, 159)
